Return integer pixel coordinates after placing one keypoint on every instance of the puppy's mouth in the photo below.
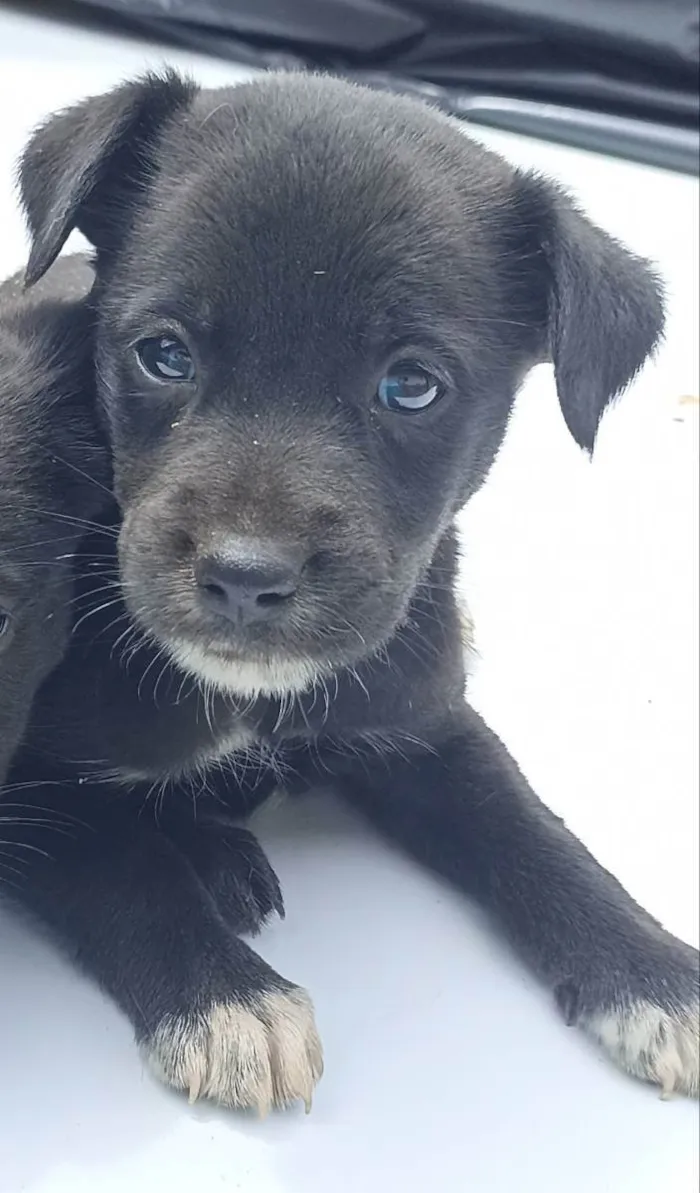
(286, 655)
(248, 675)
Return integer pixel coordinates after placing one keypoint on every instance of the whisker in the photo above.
(86, 476)
(93, 612)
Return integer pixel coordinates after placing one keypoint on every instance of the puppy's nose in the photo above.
(247, 585)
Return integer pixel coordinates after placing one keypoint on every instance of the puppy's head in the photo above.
(52, 470)
(316, 304)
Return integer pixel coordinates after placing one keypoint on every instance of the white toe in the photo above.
(657, 1045)
(260, 1054)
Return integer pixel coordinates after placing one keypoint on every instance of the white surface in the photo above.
(447, 1068)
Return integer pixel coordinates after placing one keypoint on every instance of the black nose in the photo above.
(247, 584)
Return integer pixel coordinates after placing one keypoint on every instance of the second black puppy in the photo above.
(54, 472)
(315, 305)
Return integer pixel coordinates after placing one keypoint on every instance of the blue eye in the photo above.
(166, 358)
(408, 388)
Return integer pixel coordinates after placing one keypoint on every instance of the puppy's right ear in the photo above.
(83, 168)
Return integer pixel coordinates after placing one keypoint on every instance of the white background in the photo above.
(447, 1068)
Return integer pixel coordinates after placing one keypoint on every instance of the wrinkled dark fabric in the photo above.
(632, 59)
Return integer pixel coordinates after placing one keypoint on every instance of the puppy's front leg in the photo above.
(156, 925)
(467, 812)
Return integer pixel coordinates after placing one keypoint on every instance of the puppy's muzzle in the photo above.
(248, 582)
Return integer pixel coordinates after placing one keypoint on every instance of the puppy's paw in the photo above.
(647, 1014)
(232, 866)
(659, 1045)
(256, 1054)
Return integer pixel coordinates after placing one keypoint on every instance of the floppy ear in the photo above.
(605, 309)
(82, 167)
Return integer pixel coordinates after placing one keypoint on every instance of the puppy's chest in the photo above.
(173, 760)
(239, 738)
(257, 735)
(196, 738)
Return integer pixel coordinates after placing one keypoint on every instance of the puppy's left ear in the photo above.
(604, 306)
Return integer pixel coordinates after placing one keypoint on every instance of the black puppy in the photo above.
(53, 477)
(315, 305)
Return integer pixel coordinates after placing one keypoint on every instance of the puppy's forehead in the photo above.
(262, 197)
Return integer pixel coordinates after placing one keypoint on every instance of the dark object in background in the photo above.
(619, 76)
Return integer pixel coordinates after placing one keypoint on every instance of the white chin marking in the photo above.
(244, 1055)
(278, 677)
(659, 1046)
